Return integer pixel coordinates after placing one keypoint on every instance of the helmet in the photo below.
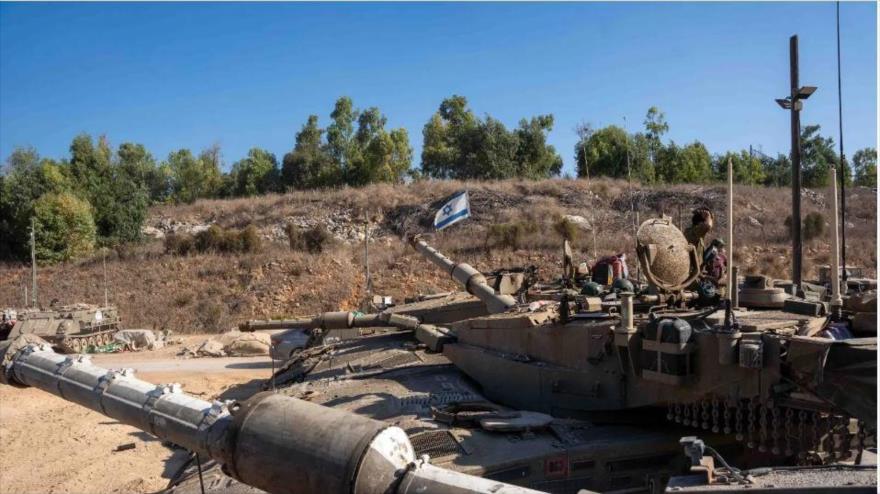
(706, 291)
(591, 289)
(622, 285)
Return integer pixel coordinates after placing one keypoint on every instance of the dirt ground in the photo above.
(51, 446)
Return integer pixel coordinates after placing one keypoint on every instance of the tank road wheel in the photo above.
(75, 345)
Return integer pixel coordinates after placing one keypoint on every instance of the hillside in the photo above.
(212, 292)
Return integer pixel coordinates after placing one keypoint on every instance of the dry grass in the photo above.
(213, 291)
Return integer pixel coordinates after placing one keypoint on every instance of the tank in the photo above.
(71, 328)
(545, 389)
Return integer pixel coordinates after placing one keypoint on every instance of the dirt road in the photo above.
(52, 446)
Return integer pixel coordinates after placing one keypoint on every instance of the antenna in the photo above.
(842, 166)
(731, 280)
(33, 265)
(632, 206)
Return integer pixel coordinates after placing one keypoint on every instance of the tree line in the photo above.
(612, 152)
(98, 196)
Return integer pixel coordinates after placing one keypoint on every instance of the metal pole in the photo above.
(796, 239)
(836, 301)
(731, 281)
(842, 156)
(33, 266)
(632, 205)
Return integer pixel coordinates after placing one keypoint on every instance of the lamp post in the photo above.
(794, 103)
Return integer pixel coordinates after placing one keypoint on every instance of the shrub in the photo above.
(250, 240)
(566, 229)
(64, 227)
(813, 226)
(182, 299)
(509, 235)
(313, 240)
(210, 314)
(179, 244)
(214, 239)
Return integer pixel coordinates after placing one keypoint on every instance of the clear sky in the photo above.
(245, 75)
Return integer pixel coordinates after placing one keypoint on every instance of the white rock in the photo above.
(580, 221)
(152, 232)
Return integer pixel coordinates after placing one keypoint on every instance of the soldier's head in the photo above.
(702, 216)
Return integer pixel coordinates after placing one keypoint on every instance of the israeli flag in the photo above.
(457, 208)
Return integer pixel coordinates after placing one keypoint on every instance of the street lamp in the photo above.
(794, 103)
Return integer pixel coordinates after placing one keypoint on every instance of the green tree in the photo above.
(90, 166)
(354, 156)
(688, 164)
(865, 167)
(817, 156)
(26, 177)
(309, 165)
(256, 174)
(655, 128)
(748, 170)
(340, 133)
(212, 164)
(138, 164)
(191, 177)
(118, 198)
(534, 157)
(457, 144)
(387, 158)
(63, 227)
(611, 152)
(604, 153)
(777, 171)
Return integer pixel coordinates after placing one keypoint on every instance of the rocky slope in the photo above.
(212, 292)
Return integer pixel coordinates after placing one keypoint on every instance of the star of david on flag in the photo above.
(456, 208)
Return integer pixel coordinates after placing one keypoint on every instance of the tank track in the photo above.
(814, 436)
(79, 343)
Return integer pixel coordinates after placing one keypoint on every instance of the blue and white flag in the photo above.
(457, 208)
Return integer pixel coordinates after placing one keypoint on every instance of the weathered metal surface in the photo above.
(273, 442)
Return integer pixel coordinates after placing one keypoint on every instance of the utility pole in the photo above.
(794, 103)
(33, 266)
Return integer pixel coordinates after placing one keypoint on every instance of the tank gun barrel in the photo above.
(472, 280)
(335, 320)
(270, 441)
(258, 324)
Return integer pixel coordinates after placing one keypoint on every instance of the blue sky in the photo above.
(245, 75)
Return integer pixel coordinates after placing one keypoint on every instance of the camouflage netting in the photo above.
(671, 262)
